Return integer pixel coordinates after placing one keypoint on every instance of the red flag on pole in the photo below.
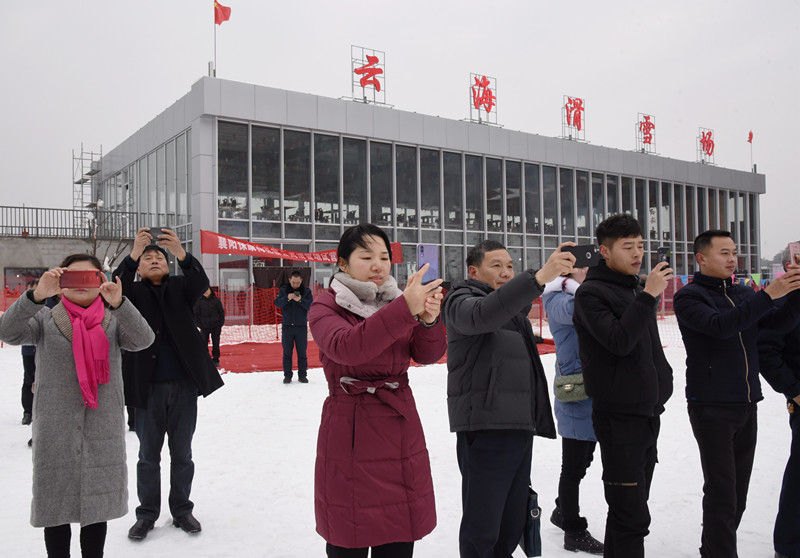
(221, 13)
(750, 137)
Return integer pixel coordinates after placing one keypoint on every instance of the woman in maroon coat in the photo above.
(373, 484)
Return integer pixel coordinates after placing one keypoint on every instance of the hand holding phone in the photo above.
(586, 255)
(664, 253)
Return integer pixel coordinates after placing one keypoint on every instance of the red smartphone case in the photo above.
(81, 279)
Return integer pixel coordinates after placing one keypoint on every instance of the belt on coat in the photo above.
(384, 390)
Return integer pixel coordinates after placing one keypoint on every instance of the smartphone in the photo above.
(586, 255)
(794, 252)
(81, 279)
(428, 254)
(154, 232)
(664, 254)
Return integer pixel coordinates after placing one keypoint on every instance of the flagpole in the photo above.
(751, 156)
(215, 49)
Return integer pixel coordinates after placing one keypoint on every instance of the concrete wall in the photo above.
(47, 252)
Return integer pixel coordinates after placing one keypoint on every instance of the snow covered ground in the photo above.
(254, 453)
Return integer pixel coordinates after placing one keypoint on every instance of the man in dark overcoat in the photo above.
(163, 381)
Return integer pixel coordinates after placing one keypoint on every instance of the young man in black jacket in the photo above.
(626, 374)
(209, 315)
(719, 322)
(779, 354)
(164, 380)
(497, 395)
(294, 300)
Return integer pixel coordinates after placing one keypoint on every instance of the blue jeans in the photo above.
(171, 410)
(295, 336)
(787, 535)
(495, 471)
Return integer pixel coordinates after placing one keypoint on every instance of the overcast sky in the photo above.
(95, 71)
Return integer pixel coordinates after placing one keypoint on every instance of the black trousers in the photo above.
(726, 437)
(93, 540)
(214, 333)
(787, 531)
(495, 471)
(628, 452)
(576, 456)
(295, 337)
(29, 376)
(391, 550)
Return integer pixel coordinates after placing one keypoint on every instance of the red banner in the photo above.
(215, 243)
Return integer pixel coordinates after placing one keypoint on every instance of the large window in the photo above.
(297, 183)
(678, 208)
(266, 174)
(380, 163)
(653, 216)
(232, 197)
(582, 203)
(453, 203)
(611, 189)
(666, 216)
(550, 200)
(513, 205)
(494, 195)
(473, 169)
(691, 228)
(355, 180)
(429, 170)
(406, 186)
(627, 195)
(641, 203)
(598, 199)
(532, 199)
(567, 203)
(326, 179)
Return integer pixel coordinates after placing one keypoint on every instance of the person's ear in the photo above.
(472, 270)
(603, 249)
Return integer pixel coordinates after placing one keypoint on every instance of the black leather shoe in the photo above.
(582, 541)
(302, 380)
(140, 529)
(188, 523)
(557, 518)
(26, 418)
(287, 380)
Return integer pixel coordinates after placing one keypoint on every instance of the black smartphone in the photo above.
(586, 255)
(154, 232)
(664, 254)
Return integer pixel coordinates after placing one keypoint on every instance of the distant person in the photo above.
(574, 417)
(779, 354)
(164, 381)
(294, 300)
(372, 484)
(497, 395)
(80, 471)
(626, 374)
(209, 316)
(719, 322)
(29, 373)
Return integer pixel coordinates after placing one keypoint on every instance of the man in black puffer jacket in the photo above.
(719, 322)
(209, 315)
(497, 395)
(626, 374)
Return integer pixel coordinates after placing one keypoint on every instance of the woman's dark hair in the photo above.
(617, 226)
(82, 258)
(353, 238)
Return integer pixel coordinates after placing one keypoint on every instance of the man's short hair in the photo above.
(621, 225)
(477, 252)
(296, 273)
(151, 247)
(704, 239)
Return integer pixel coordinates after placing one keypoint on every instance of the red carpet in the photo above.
(252, 357)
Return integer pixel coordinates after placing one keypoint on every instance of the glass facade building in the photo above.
(292, 170)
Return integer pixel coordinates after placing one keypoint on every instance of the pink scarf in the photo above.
(90, 347)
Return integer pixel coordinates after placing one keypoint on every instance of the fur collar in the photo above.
(363, 298)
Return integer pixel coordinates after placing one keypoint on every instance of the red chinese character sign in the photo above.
(646, 133)
(705, 146)
(482, 99)
(368, 68)
(573, 118)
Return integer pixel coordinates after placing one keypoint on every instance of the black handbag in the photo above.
(531, 541)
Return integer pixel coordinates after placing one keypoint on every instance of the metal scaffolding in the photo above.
(84, 167)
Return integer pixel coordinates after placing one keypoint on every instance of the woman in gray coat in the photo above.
(79, 461)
